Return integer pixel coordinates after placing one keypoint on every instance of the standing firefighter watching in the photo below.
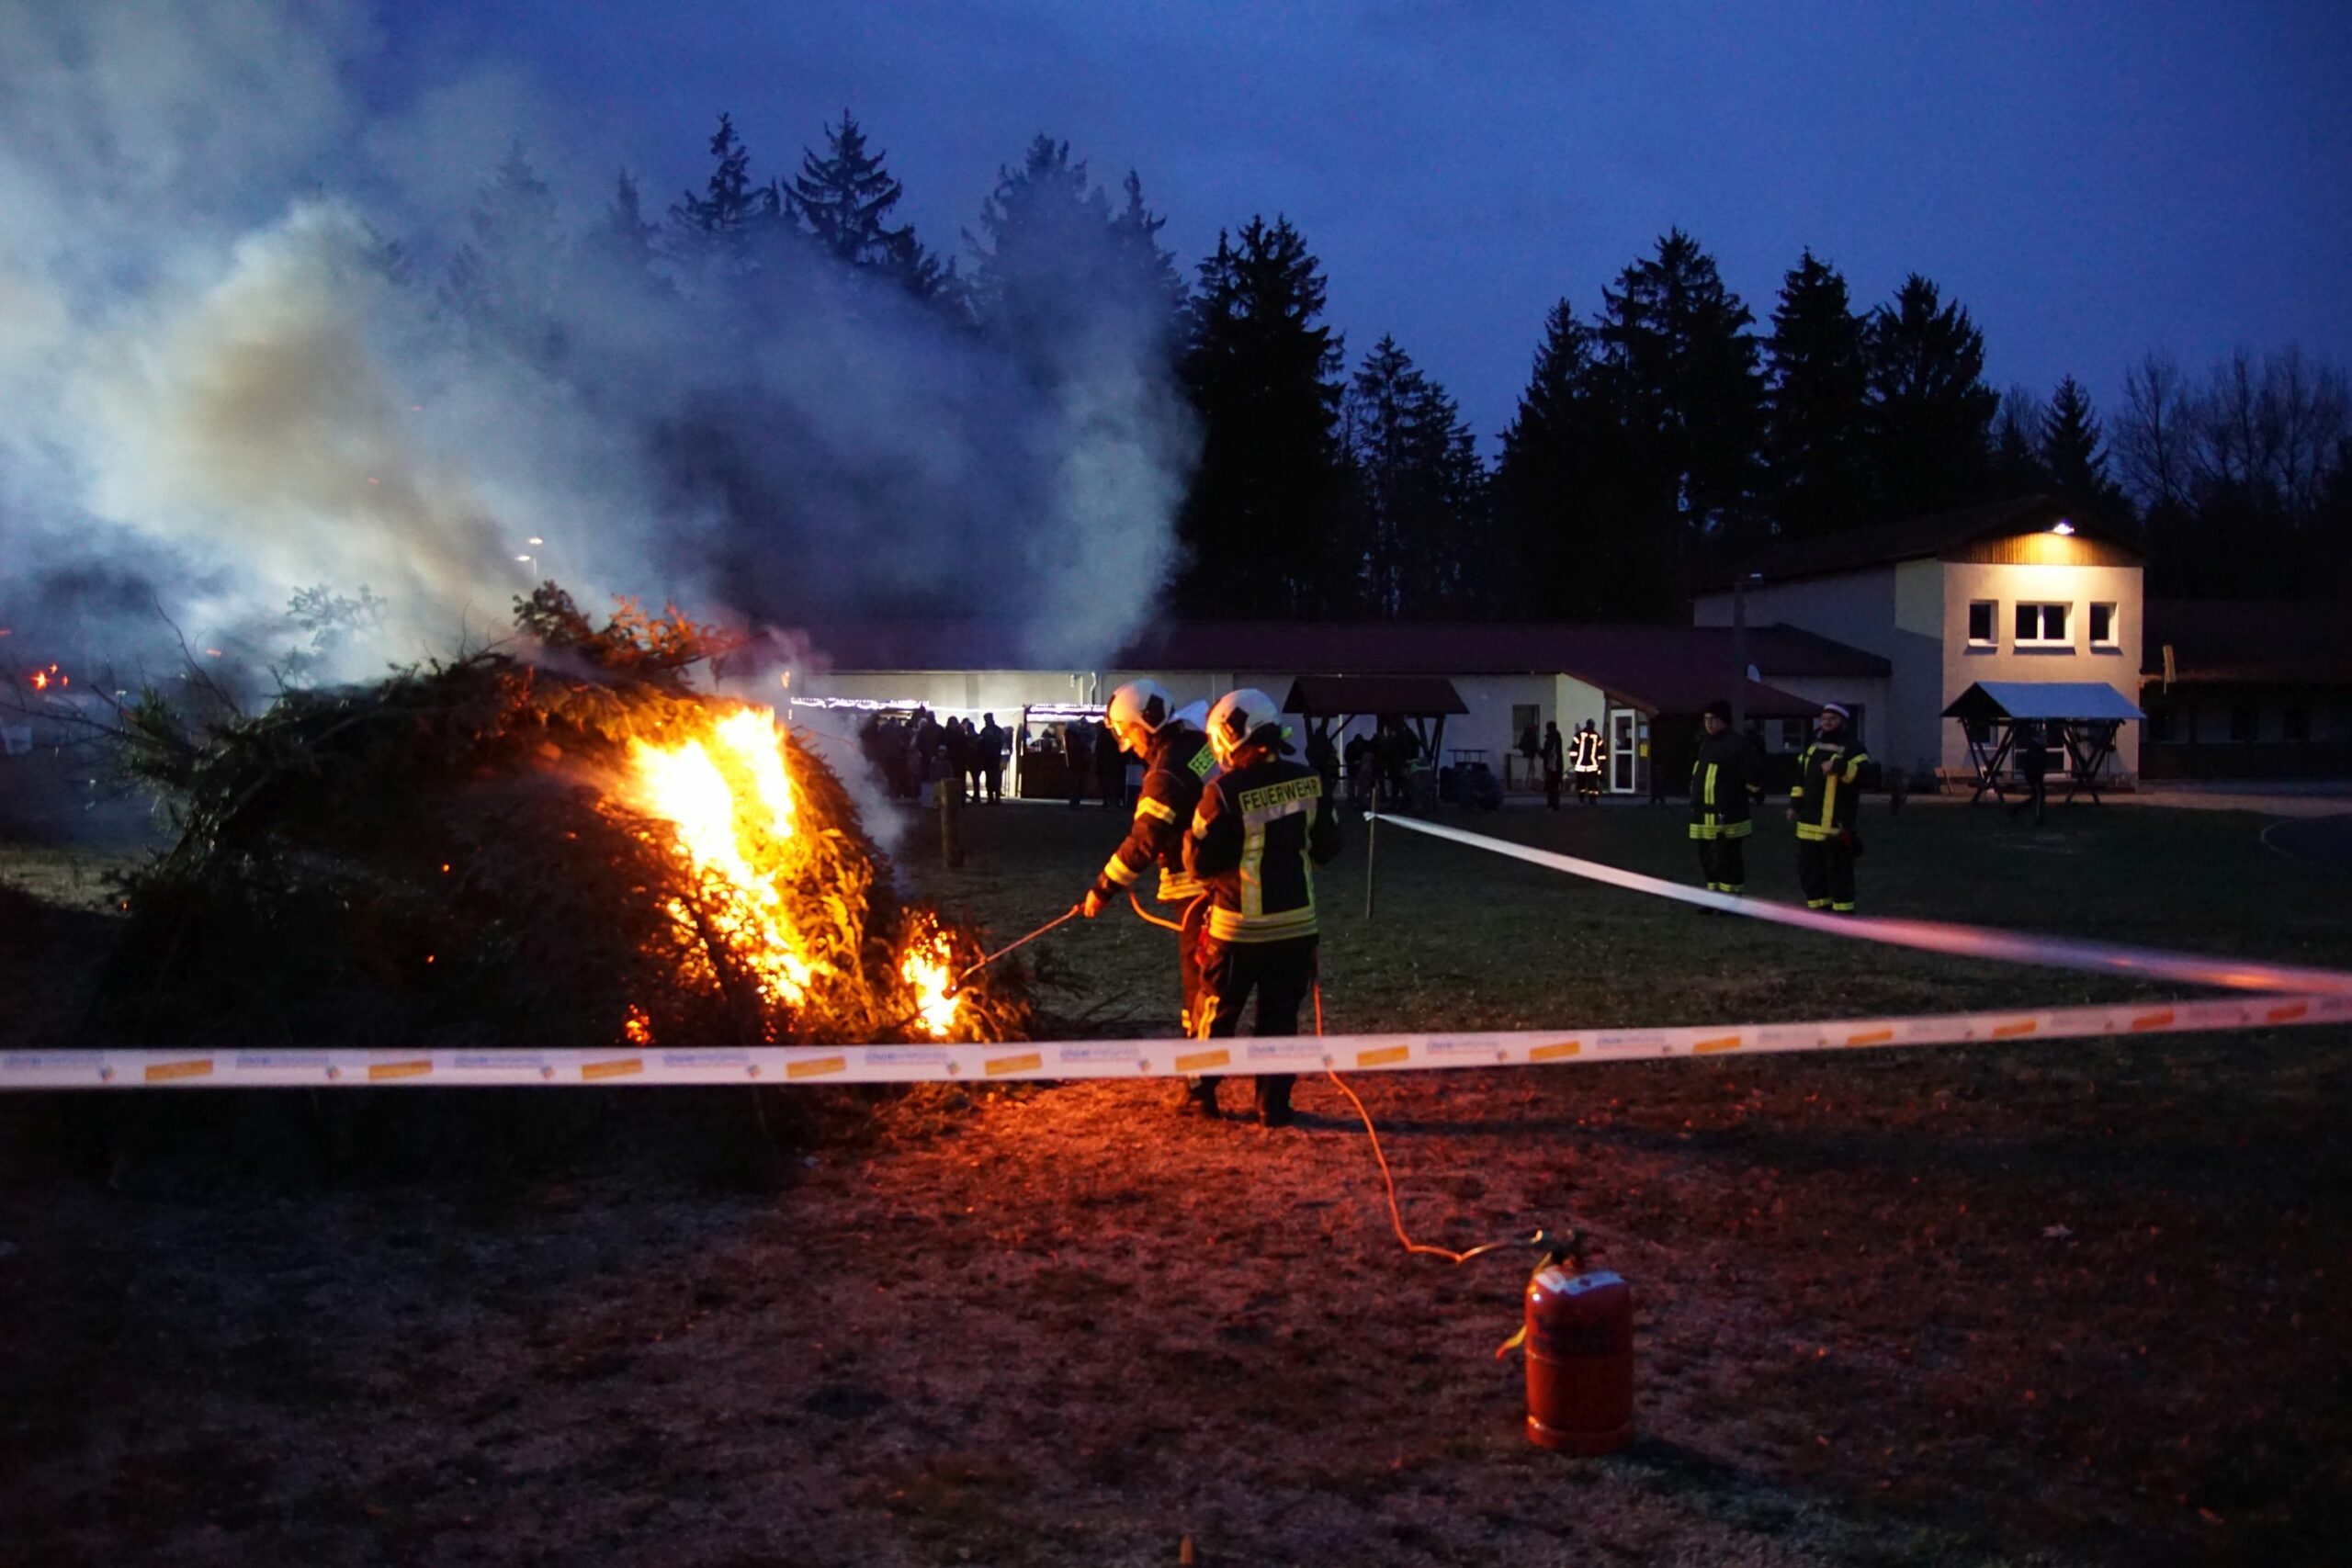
(1832, 773)
(1261, 829)
(1725, 781)
(1177, 760)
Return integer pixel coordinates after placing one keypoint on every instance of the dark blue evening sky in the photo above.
(2091, 180)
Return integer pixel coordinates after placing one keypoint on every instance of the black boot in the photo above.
(1197, 1099)
(1273, 1101)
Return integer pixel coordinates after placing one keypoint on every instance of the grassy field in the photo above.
(2057, 1303)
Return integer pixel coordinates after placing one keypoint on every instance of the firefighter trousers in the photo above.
(1281, 974)
(1191, 932)
(1826, 868)
(1724, 863)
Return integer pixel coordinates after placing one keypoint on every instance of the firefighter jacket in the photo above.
(1257, 837)
(1725, 781)
(1590, 752)
(1825, 803)
(1175, 764)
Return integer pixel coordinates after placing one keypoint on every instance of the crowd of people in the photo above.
(916, 755)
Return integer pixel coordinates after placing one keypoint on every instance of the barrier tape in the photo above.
(1131, 1058)
(1931, 936)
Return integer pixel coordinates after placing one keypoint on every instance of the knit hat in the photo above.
(1720, 709)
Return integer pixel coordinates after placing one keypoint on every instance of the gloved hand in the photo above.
(1091, 905)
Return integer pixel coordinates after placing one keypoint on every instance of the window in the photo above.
(2044, 626)
(1794, 734)
(1981, 613)
(2103, 633)
(1526, 716)
(2296, 723)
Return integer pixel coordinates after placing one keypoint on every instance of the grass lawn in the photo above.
(2048, 1304)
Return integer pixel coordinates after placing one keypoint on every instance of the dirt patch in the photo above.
(2069, 1304)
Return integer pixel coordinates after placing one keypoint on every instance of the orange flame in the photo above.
(928, 968)
(735, 838)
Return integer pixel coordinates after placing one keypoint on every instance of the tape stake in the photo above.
(816, 1067)
(1384, 1056)
(1558, 1051)
(627, 1067)
(1027, 1063)
(180, 1072)
(1720, 1043)
(1198, 1061)
(378, 1072)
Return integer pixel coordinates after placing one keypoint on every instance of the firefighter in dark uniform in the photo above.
(1592, 754)
(1725, 782)
(1261, 829)
(1832, 773)
(1177, 761)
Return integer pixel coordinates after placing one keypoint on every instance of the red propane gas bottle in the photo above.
(1579, 1360)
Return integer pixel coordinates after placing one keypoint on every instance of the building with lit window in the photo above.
(2024, 590)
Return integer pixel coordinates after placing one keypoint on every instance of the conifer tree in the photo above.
(2017, 465)
(1680, 368)
(1421, 489)
(502, 279)
(716, 233)
(1816, 381)
(844, 200)
(1261, 523)
(2073, 451)
(1929, 408)
(1543, 481)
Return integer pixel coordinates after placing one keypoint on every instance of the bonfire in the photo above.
(562, 844)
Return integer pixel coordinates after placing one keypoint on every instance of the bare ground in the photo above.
(2059, 1303)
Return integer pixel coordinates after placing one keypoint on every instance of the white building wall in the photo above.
(1886, 610)
(2076, 586)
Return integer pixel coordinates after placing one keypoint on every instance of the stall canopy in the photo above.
(1412, 696)
(2081, 715)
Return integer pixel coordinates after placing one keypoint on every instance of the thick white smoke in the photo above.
(232, 374)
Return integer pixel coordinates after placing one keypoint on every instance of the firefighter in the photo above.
(1591, 753)
(1553, 764)
(1261, 827)
(1831, 774)
(1177, 760)
(1725, 781)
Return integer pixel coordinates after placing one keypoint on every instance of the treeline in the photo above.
(1658, 438)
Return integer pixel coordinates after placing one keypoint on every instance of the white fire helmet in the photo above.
(1138, 710)
(1240, 717)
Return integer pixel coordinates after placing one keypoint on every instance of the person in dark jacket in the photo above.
(1555, 765)
(1261, 827)
(1726, 780)
(2033, 766)
(1078, 757)
(1177, 761)
(1110, 768)
(992, 756)
(1832, 773)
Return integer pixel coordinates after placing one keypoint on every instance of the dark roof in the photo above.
(1911, 538)
(1629, 659)
(1408, 695)
(2217, 642)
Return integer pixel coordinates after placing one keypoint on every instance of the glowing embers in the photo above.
(928, 970)
(42, 680)
(731, 810)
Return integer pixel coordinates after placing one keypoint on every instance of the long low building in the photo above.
(1642, 686)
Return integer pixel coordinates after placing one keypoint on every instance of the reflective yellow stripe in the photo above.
(1736, 829)
(1253, 871)
(1829, 799)
(1148, 807)
(1232, 925)
(1710, 789)
(1115, 870)
(1815, 832)
(1175, 884)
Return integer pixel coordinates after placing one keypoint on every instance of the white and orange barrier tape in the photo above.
(1930, 936)
(1131, 1058)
